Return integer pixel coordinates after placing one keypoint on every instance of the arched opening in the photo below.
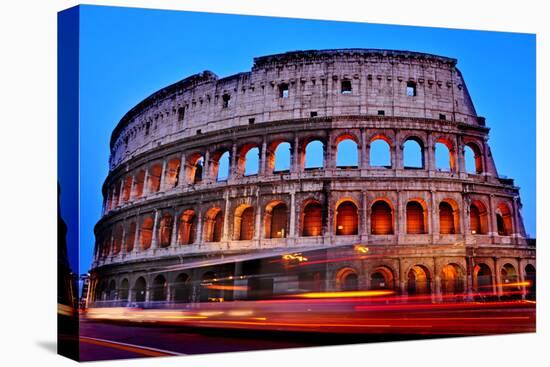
(154, 177)
(452, 281)
(124, 290)
(115, 196)
(279, 160)
(187, 227)
(140, 182)
(165, 230)
(127, 189)
(146, 233)
(140, 288)
(413, 155)
(248, 162)
(531, 277)
(159, 289)
(182, 288)
(381, 218)
(196, 170)
(106, 244)
(208, 293)
(509, 275)
(130, 237)
(101, 292)
(418, 280)
(483, 278)
(172, 173)
(415, 218)
(213, 225)
(220, 166)
(380, 153)
(382, 278)
(347, 280)
(478, 218)
(504, 220)
(276, 220)
(473, 158)
(347, 155)
(447, 218)
(444, 159)
(346, 219)
(244, 223)
(314, 155)
(252, 162)
(117, 239)
(111, 291)
(312, 219)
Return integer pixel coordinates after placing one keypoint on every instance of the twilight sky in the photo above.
(127, 54)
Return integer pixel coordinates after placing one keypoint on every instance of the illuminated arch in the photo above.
(276, 220)
(347, 218)
(381, 217)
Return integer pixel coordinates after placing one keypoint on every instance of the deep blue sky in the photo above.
(127, 54)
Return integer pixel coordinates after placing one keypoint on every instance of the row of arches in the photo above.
(418, 280)
(181, 289)
(452, 279)
(167, 228)
(248, 160)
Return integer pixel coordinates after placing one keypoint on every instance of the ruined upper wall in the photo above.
(315, 82)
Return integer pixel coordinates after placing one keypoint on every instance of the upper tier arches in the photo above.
(316, 84)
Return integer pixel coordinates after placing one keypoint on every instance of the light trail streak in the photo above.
(351, 294)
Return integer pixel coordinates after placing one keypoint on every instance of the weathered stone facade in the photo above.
(166, 203)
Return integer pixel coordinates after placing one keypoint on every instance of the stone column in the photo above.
(123, 241)
(469, 276)
(226, 236)
(401, 217)
(433, 216)
(292, 225)
(521, 278)
(492, 218)
(199, 226)
(162, 176)
(363, 217)
(238, 282)
(330, 161)
(295, 156)
(498, 278)
(458, 156)
(516, 232)
(437, 282)
(328, 233)
(465, 226)
(206, 174)
(181, 175)
(137, 242)
(233, 163)
(257, 227)
(174, 234)
(111, 244)
(146, 182)
(399, 154)
(154, 234)
(263, 157)
(120, 192)
(430, 150)
(402, 278)
(363, 161)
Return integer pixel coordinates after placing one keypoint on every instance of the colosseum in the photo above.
(307, 156)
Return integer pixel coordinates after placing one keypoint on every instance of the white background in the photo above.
(28, 182)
